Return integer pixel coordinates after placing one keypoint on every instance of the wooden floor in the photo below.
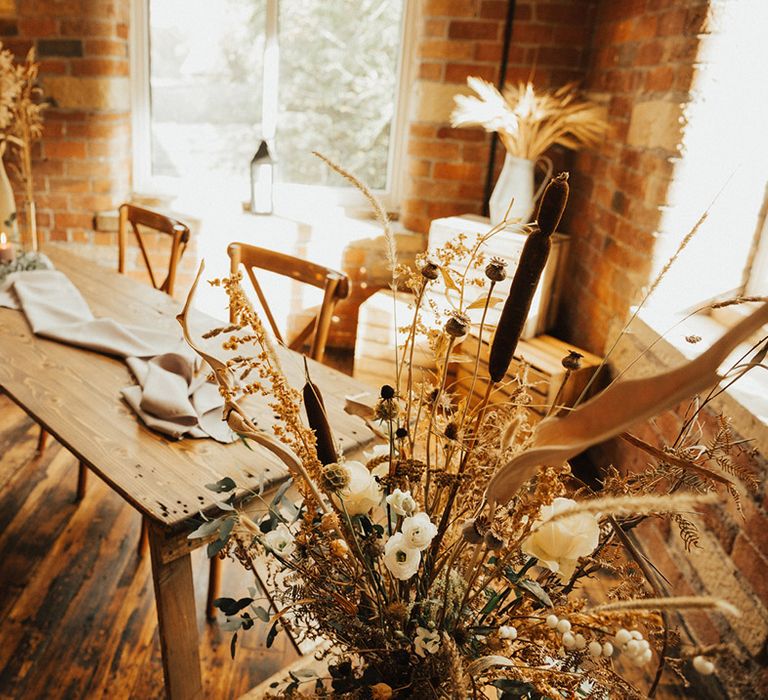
(77, 609)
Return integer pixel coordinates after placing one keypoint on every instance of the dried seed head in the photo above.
(329, 522)
(386, 410)
(572, 360)
(451, 430)
(381, 691)
(471, 531)
(401, 433)
(335, 477)
(457, 325)
(493, 540)
(387, 392)
(496, 270)
(430, 270)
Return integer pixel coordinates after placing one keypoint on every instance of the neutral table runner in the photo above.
(171, 396)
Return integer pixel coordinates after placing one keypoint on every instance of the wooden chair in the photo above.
(179, 237)
(335, 286)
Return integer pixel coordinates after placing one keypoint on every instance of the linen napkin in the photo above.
(171, 396)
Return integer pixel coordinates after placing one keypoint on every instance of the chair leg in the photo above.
(143, 537)
(82, 480)
(42, 440)
(214, 583)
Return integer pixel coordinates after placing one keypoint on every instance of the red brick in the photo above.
(431, 71)
(443, 48)
(65, 149)
(99, 66)
(61, 184)
(458, 72)
(458, 171)
(436, 28)
(91, 28)
(672, 23)
(473, 134)
(531, 33)
(448, 8)
(474, 30)
(105, 47)
(660, 79)
(570, 12)
(751, 565)
(495, 9)
(53, 66)
(38, 27)
(68, 220)
(487, 51)
(434, 149)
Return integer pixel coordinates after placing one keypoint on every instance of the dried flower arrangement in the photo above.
(530, 121)
(21, 124)
(452, 560)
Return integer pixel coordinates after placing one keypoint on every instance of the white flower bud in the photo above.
(581, 643)
(607, 650)
(703, 665)
(563, 626)
(551, 621)
(595, 649)
(622, 637)
(569, 641)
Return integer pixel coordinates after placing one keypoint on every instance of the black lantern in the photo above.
(262, 180)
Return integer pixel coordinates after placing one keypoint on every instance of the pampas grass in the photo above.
(529, 121)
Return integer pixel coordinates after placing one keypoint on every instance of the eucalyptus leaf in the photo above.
(535, 589)
(206, 529)
(271, 635)
(222, 485)
(214, 548)
(261, 613)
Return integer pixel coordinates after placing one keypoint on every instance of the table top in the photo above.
(75, 394)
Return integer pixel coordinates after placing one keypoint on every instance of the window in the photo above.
(212, 79)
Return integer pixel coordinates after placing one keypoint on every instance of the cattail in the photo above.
(532, 261)
(518, 303)
(552, 204)
(313, 404)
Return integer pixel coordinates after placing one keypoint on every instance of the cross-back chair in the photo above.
(335, 286)
(136, 217)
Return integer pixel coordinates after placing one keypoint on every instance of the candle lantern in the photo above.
(7, 252)
(262, 180)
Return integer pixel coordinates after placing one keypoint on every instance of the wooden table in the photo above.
(75, 395)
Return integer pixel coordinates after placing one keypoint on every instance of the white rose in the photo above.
(402, 502)
(426, 641)
(280, 540)
(363, 491)
(402, 561)
(418, 531)
(559, 545)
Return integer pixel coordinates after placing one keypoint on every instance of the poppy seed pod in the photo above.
(457, 325)
(552, 204)
(387, 392)
(572, 361)
(430, 270)
(496, 270)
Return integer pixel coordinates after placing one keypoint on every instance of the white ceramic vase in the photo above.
(516, 182)
(8, 218)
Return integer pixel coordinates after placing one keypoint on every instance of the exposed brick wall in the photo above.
(458, 38)
(642, 64)
(82, 164)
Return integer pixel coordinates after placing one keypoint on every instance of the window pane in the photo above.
(338, 75)
(205, 86)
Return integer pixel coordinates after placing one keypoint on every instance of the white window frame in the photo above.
(145, 183)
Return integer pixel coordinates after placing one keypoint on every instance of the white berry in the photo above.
(552, 621)
(636, 634)
(703, 665)
(563, 626)
(622, 637)
(644, 644)
(633, 646)
(595, 649)
(581, 643)
(646, 656)
(569, 641)
(507, 632)
(607, 650)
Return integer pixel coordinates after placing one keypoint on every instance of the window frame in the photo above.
(145, 183)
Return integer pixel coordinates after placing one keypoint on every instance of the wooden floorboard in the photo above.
(77, 610)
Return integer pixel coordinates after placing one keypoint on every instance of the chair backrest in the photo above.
(177, 230)
(335, 286)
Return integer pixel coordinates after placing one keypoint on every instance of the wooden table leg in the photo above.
(177, 619)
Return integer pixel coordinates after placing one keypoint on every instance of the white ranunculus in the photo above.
(401, 560)
(401, 502)
(426, 641)
(559, 545)
(280, 540)
(363, 491)
(418, 531)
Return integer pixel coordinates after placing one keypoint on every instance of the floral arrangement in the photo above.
(451, 559)
(530, 121)
(21, 123)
